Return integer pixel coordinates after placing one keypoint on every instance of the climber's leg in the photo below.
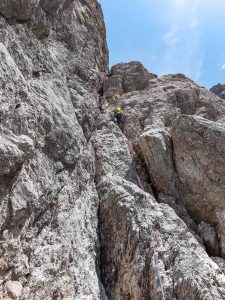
(118, 120)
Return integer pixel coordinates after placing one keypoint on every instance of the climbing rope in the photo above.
(154, 243)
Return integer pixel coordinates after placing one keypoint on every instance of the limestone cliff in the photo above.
(53, 57)
(89, 210)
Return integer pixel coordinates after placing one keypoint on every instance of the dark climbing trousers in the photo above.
(118, 118)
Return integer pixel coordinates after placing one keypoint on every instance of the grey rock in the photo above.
(220, 262)
(135, 76)
(48, 200)
(219, 90)
(14, 289)
(125, 213)
(39, 14)
(113, 86)
(198, 148)
(150, 124)
(86, 207)
(14, 151)
(156, 147)
(210, 239)
(127, 77)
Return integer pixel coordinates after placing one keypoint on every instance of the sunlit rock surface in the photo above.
(89, 210)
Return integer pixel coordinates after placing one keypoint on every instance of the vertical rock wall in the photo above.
(168, 198)
(53, 56)
(89, 210)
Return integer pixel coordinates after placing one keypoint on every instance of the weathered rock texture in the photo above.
(219, 90)
(53, 58)
(126, 77)
(174, 134)
(89, 210)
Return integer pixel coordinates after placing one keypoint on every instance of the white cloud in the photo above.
(171, 38)
(182, 40)
(190, 27)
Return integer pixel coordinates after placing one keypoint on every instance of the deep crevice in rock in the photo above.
(143, 173)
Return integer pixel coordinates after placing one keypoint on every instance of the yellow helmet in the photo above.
(117, 109)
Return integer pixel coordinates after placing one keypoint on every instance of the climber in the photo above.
(118, 114)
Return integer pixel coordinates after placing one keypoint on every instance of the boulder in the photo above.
(127, 77)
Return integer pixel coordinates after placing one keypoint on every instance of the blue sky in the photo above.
(169, 36)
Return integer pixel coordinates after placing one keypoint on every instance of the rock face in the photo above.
(14, 289)
(219, 90)
(126, 77)
(53, 58)
(174, 127)
(90, 210)
(209, 236)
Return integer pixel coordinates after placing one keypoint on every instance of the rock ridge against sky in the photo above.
(173, 36)
(88, 210)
